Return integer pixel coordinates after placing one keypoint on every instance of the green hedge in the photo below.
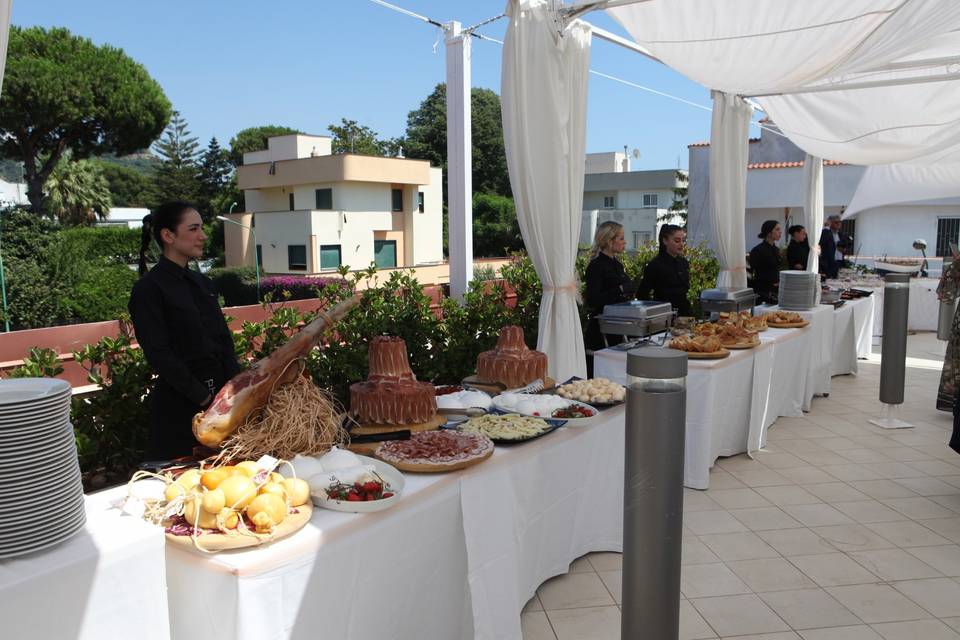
(236, 285)
(112, 245)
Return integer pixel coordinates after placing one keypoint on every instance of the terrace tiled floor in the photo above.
(839, 530)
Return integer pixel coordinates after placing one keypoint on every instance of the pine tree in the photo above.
(215, 170)
(177, 177)
(678, 208)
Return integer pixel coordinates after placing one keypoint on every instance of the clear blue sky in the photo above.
(308, 63)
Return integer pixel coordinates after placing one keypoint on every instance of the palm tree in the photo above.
(77, 193)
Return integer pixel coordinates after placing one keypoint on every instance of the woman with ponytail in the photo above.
(180, 327)
(606, 282)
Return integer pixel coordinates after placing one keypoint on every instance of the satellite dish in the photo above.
(636, 154)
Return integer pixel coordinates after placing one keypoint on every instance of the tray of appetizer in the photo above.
(786, 320)
(509, 428)
(436, 451)
(598, 392)
(700, 347)
(357, 485)
(555, 407)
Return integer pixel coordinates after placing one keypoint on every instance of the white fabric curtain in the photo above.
(755, 47)
(6, 8)
(813, 207)
(728, 185)
(544, 103)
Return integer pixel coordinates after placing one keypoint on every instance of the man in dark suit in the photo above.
(830, 258)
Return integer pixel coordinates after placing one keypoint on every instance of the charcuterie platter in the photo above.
(436, 451)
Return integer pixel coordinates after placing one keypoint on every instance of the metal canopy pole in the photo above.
(893, 353)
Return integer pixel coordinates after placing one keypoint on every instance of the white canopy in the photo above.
(860, 81)
(899, 183)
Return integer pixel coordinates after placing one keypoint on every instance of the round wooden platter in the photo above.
(788, 325)
(743, 345)
(436, 468)
(223, 542)
(715, 355)
(496, 388)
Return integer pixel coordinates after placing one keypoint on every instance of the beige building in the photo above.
(313, 211)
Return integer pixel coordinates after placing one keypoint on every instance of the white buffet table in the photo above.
(923, 307)
(106, 582)
(852, 334)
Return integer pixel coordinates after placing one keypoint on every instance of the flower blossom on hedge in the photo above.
(299, 287)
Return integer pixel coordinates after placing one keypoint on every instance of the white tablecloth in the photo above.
(923, 310)
(399, 573)
(105, 583)
(535, 507)
(731, 402)
(852, 334)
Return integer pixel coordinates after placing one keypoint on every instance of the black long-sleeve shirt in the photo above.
(606, 283)
(797, 254)
(181, 329)
(668, 278)
(765, 262)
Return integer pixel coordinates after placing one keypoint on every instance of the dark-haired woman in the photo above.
(667, 276)
(798, 251)
(765, 262)
(180, 328)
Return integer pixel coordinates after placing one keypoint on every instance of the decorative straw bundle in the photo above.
(300, 418)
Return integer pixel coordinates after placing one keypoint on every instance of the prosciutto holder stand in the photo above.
(511, 363)
(249, 390)
(391, 395)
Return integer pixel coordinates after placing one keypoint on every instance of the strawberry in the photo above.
(388, 495)
(353, 496)
(372, 486)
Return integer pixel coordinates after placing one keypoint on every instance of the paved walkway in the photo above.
(839, 530)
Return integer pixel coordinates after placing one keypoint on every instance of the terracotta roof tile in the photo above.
(788, 165)
(707, 144)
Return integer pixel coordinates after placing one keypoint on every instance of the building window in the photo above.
(609, 202)
(420, 201)
(948, 230)
(324, 199)
(641, 238)
(297, 257)
(291, 202)
(260, 256)
(397, 195)
(650, 201)
(329, 256)
(385, 253)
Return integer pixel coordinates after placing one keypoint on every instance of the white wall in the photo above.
(428, 226)
(891, 230)
(609, 162)
(266, 200)
(275, 231)
(290, 147)
(643, 221)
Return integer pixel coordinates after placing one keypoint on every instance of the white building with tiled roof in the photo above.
(775, 192)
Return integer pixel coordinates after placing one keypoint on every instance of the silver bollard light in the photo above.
(893, 356)
(653, 493)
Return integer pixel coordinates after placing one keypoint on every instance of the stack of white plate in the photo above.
(41, 493)
(799, 290)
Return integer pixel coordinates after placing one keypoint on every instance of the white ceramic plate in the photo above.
(26, 455)
(390, 475)
(65, 474)
(34, 418)
(13, 409)
(68, 530)
(570, 422)
(28, 390)
(43, 520)
(35, 433)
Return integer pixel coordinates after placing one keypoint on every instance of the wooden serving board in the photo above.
(788, 325)
(716, 355)
(496, 388)
(223, 542)
(372, 429)
(743, 345)
(436, 468)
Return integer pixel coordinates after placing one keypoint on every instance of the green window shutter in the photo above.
(385, 253)
(329, 256)
(324, 199)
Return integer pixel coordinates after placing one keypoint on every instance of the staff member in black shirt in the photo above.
(799, 248)
(765, 262)
(668, 274)
(180, 328)
(606, 280)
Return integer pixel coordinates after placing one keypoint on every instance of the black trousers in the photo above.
(171, 418)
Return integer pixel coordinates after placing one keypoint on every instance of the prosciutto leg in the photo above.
(249, 390)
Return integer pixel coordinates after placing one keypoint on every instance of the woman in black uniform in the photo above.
(765, 262)
(799, 249)
(180, 328)
(668, 274)
(606, 281)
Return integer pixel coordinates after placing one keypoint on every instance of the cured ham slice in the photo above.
(249, 390)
